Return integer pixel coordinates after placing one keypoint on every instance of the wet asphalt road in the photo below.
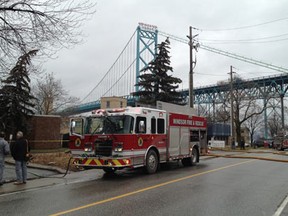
(219, 186)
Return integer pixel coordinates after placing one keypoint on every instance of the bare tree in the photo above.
(275, 117)
(222, 114)
(274, 124)
(46, 25)
(254, 122)
(244, 109)
(245, 105)
(51, 96)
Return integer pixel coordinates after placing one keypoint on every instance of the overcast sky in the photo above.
(115, 21)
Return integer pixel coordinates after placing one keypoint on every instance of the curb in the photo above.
(268, 151)
(250, 157)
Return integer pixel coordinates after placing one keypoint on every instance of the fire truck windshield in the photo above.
(109, 125)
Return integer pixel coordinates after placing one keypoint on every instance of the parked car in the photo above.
(258, 143)
(267, 143)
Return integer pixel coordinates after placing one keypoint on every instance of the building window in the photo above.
(107, 104)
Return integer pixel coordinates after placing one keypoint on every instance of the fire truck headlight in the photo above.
(88, 149)
(119, 147)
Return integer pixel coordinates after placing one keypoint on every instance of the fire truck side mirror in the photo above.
(141, 127)
(73, 125)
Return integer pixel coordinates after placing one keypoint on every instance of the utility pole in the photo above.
(232, 108)
(191, 47)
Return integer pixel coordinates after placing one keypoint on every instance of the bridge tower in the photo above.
(147, 39)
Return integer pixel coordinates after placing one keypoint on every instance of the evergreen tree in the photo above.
(15, 98)
(155, 83)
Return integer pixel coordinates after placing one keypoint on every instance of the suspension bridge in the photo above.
(141, 48)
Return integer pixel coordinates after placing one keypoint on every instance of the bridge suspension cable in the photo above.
(121, 72)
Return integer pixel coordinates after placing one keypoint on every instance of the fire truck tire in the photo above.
(191, 161)
(194, 157)
(152, 162)
(185, 161)
(109, 170)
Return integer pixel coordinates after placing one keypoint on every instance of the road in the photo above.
(218, 186)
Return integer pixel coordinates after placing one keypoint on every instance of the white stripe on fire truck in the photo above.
(124, 153)
(140, 152)
(76, 152)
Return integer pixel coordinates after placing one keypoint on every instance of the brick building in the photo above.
(45, 132)
(113, 102)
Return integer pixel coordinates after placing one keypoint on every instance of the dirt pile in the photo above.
(56, 159)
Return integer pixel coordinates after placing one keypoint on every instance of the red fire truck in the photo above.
(133, 137)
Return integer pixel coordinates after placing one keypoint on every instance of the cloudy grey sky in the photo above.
(115, 21)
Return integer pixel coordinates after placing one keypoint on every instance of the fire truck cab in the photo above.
(133, 137)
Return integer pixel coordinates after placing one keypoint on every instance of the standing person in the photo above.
(233, 143)
(19, 150)
(242, 144)
(4, 150)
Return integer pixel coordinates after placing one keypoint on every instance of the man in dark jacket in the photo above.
(4, 150)
(19, 149)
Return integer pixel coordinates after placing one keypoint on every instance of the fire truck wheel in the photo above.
(109, 170)
(191, 160)
(195, 156)
(152, 162)
(185, 161)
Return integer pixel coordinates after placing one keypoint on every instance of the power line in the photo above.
(255, 72)
(207, 74)
(239, 41)
(244, 27)
(252, 40)
(229, 54)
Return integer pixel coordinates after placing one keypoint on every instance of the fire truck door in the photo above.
(203, 140)
(173, 147)
(184, 141)
(143, 139)
(178, 141)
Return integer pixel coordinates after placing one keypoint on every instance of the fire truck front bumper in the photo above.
(102, 162)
